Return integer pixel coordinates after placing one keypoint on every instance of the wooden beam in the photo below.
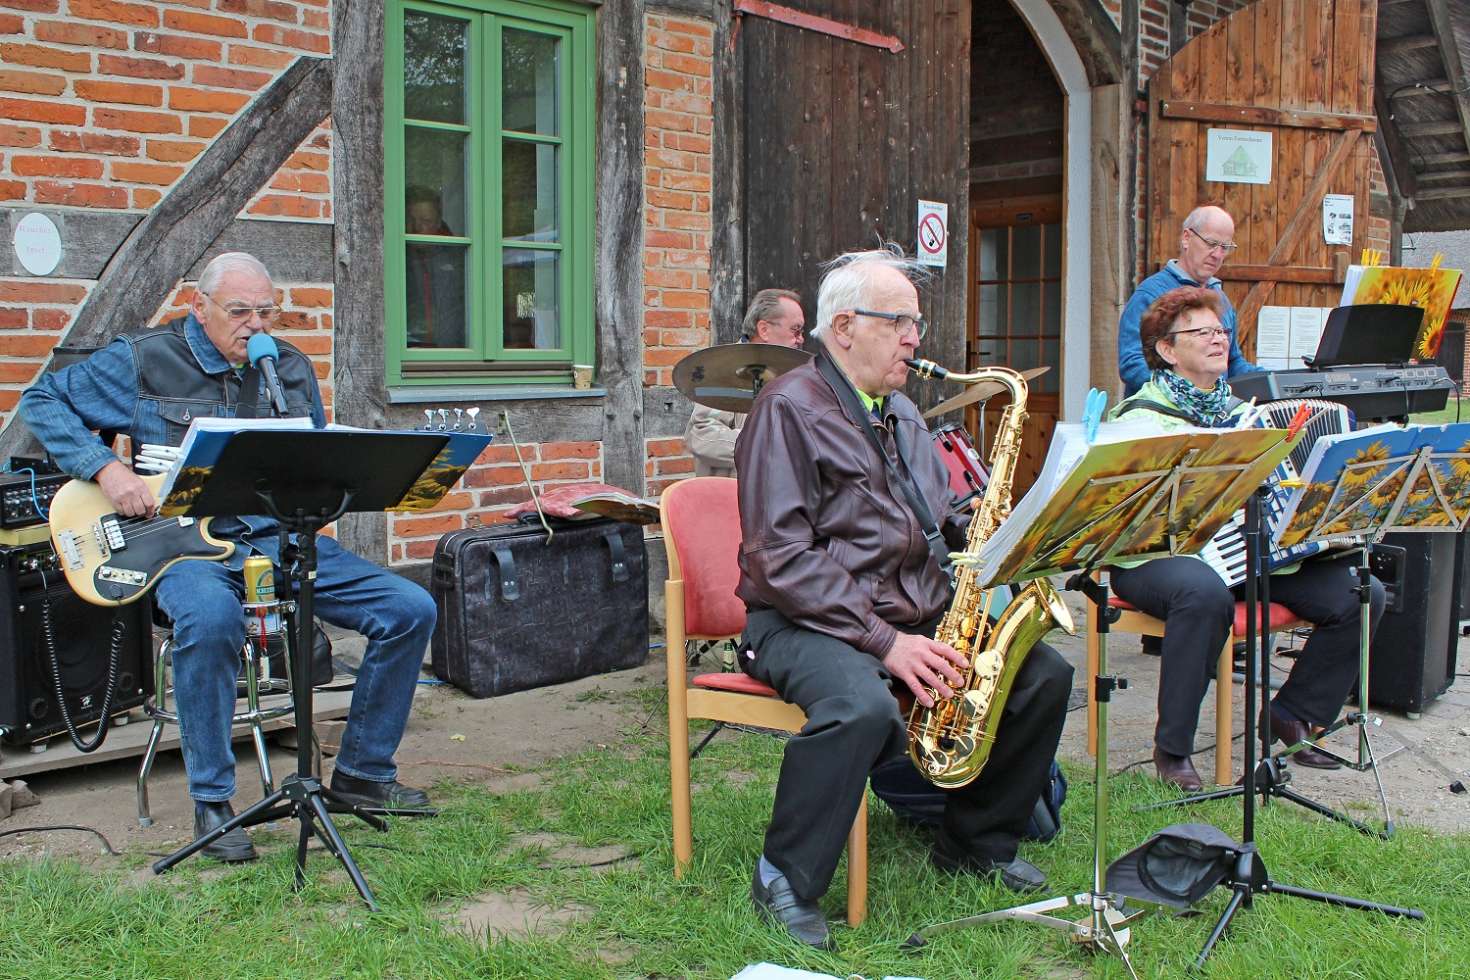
(172, 237)
(1432, 86)
(1433, 127)
(1389, 46)
(727, 192)
(1443, 194)
(1307, 274)
(619, 268)
(1434, 159)
(1265, 116)
(1394, 154)
(360, 381)
(1291, 236)
(1445, 175)
(1454, 64)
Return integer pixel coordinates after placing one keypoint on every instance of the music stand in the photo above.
(306, 479)
(1107, 510)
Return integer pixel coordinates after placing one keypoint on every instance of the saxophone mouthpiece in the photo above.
(925, 368)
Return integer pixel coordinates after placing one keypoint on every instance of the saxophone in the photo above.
(950, 742)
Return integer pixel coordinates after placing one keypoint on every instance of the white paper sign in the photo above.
(933, 233)
(1238, 156)
(1337, 219)
(1306, 332)
(37, 244)
(1273, 327)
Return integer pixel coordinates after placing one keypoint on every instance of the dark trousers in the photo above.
(1198, 609)
(853, 724)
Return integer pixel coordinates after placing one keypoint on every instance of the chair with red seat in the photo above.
(701, 523)
(1134, 620)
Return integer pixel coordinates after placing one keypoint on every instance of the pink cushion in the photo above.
(739, 683)
(1281, 617)
(701, 519)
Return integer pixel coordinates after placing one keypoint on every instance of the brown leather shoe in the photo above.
(1289, 731)
(1177, 770)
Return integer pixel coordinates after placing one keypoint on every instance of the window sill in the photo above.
(478, 393)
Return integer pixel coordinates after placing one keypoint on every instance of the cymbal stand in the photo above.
(1105, 928)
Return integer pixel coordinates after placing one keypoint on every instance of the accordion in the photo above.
(1225, 552)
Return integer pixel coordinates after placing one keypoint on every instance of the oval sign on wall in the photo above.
(37, 244)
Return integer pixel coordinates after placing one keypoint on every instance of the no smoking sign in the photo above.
(933, 234)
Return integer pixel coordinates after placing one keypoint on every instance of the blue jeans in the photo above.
(203, 600)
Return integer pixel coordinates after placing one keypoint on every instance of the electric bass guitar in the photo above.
(111, 560)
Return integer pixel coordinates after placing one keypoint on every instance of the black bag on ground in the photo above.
(517, 611)
(915, 799)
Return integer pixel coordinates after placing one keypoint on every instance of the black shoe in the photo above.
(233, 846)
(1019, 875)
(387, 796)
(1153, 646)
(778, 905)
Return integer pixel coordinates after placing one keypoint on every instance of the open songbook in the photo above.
(1133, 492)
(207, 438)
(1385, 478)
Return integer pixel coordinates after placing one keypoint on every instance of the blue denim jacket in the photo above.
(1132, 368)
(103, 392)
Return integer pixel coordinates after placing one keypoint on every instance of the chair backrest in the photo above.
(701, 521)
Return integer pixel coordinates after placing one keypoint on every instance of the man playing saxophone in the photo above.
(843, 593)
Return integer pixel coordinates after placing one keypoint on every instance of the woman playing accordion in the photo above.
(1187, 350)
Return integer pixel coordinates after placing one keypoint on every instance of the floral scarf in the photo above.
(1209, 408)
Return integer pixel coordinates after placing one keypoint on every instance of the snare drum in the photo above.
(967, 475)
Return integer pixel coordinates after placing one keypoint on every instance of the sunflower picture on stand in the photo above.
(1431, 289)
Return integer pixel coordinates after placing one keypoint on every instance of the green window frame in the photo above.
(519, 265)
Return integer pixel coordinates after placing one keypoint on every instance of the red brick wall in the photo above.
(678, 94)
(105, 104)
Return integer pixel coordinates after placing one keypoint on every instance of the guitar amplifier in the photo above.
(29, 578)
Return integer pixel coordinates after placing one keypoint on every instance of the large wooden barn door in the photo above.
(842, 138)
(1301, 70)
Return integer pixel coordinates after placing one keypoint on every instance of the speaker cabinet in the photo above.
(82, 632)
(1413, 653)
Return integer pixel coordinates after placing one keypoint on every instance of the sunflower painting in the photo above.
(1432, 290)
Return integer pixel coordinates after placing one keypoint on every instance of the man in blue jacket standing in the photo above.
(1205, 242)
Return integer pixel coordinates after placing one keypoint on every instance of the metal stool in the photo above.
(256, 681)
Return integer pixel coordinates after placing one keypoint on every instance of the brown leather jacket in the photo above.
(827, 541)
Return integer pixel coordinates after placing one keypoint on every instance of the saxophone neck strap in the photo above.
(853, 406)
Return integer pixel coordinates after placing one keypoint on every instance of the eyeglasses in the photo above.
(240, 313)
(1212, 245)
(1204, 333)
(901, 321)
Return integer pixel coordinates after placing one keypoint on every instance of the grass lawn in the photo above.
(63, 919)
(1455, 410)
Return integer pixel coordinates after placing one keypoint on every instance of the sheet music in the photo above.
(1273, 328)
(1306, 332)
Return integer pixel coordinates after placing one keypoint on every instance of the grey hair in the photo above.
(1195, 220)
(766, 306)
(227, 262)
(845, 283)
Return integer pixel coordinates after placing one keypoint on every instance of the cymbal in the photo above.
(726, 377)
(978, 392)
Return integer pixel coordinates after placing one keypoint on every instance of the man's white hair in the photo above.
(1196, 219)
(847, 279)
(225, 263)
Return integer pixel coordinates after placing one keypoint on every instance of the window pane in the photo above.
(435, 285)
(532, 318)
(528, 198)
(529, 82)
(1052, 322)
(1026, 309)
(433, 67)
(990, 312)
(1026, 263)
(988, 245)
(434, 169)
(1023, 354)
(1051, 356)
(1052, 245)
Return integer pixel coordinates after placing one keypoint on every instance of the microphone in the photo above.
(262, 351)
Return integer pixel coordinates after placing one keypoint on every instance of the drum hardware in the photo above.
(727, 377)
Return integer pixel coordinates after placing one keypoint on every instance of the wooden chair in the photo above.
(1134, 620)
(701, 523)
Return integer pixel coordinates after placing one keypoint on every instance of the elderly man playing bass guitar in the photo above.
(149, 385)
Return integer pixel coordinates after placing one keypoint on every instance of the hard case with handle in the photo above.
(518, 611)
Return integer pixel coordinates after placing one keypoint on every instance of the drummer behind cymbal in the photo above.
(774, 317)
